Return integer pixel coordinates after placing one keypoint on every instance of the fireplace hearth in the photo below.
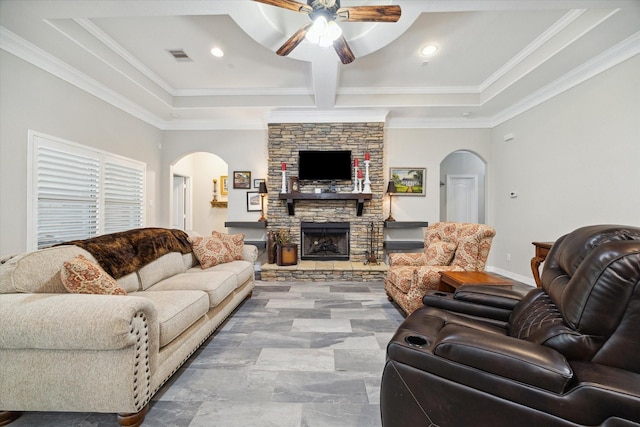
(324, 241)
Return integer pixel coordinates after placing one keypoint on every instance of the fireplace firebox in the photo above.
(324, 241)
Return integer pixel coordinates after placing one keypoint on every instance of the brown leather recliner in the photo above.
(566, 354)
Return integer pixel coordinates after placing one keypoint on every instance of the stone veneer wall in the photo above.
(286, 139)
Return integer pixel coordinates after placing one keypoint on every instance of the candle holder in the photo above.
(367, 183)
(356, 189)
(283, 189)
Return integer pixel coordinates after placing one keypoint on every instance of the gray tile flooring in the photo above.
(297, 354)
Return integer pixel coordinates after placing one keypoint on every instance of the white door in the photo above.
(462, 198)
(179, 217)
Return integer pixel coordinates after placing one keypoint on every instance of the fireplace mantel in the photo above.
(291, 198)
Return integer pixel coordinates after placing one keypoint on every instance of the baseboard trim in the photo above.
(511, 275)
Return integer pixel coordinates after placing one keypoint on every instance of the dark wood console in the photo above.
(291, 199)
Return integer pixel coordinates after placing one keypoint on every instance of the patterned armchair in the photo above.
(448, 246)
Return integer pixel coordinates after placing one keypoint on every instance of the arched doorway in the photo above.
(192, 190)
(462, 187)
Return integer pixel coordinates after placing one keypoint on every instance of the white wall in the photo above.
(427, 148)
(575, 160)
(33, 99)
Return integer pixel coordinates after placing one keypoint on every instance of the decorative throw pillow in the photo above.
(81, 276)
(217, 249)
(440, 252)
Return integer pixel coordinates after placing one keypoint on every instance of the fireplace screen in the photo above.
(324, 241)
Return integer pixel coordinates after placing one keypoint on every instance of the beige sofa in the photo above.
(61, 351)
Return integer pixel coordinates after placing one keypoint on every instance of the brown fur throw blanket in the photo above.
(125, 252)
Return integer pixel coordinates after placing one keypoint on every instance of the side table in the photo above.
(542, 249)
(453, 279)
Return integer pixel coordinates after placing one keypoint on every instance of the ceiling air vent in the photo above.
(179, 54)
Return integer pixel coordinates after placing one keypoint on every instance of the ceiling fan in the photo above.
(324, 30)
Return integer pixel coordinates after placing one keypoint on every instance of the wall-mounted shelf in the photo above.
(405, 224)
(246, 224)
(218, 204)
(404, 244)
(291, 199)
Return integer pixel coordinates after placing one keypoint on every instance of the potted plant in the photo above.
(286, 252)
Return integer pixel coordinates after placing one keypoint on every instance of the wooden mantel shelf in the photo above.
(292, 197)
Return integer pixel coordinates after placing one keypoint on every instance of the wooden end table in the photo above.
(542, 250)
(453, 279)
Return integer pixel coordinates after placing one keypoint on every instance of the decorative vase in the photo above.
(271, 249)
(287, 254)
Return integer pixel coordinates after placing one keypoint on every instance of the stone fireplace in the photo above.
(285, 140)
(328, 241)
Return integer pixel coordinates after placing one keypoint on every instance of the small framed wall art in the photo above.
(257, 181)
(242, 179)
(409, 181)
(224, 184)
(253, 201)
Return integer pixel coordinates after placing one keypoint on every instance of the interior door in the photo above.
(179, 202)
(462, 198)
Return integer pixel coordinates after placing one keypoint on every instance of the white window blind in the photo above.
(79, 192)
(123, 197)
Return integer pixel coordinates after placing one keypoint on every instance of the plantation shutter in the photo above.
(67, 187)
(77, 192)
(123, 196)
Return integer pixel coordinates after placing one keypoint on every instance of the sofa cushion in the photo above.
(166, 266)
(440, 252)
(217, 284)
(217, 249)
(81, 276)
(177, 310)
(243, 270)
(39, 271)
(130, 282)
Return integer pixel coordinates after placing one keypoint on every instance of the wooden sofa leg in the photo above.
(7, 417)
(133, 420)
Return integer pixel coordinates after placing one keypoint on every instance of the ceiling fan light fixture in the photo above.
(323, 32)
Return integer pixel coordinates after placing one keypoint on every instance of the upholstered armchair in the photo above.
(565, 354)
(448, 246)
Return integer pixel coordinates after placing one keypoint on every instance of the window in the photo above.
(77, 192)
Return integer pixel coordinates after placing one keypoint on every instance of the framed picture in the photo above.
(242, 179)
(224, 184)
(257, 181)
(253, 201)
(409, 181)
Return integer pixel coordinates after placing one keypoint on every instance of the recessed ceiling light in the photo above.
(429, 50)
(217, 52)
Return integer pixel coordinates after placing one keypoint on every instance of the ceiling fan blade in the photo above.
(294, 40)
(288, 4)
(390, 13)
(343, 50)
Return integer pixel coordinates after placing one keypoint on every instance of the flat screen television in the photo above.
(324, 165)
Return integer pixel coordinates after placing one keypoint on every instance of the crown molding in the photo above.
(32, 54)
(328, 116)
(619, 53)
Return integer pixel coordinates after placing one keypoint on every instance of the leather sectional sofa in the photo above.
(63, 351)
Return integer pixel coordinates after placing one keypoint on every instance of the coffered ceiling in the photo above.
(495, 60)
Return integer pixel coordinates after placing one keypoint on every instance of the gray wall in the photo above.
(574, 159)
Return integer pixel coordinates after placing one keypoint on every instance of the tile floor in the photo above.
(300, 354)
